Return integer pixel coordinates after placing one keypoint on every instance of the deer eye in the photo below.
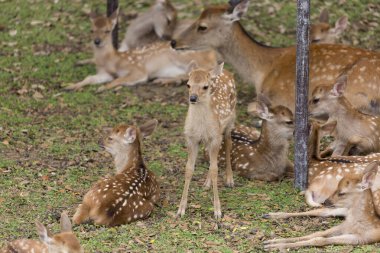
(202, 28)
(290, 122)
(188, 86)
(340, 194)
(315, 100)
(107, 31)
(205, 87)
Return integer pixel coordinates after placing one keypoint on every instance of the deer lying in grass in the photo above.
(322, 32)
(131, 193)
(355, 202)
(210, 118)
(66, 241)
(363, 132)
(155, 24)
(325, 174)
(265, 158)
(158, 61)
(272, 69)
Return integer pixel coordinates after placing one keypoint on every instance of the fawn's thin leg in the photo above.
(192, 146)
(322, 212)
(100, 77)
(228, 148)
(134, 77)
(85, 62)
(351, 239)
(337, 230)
(213, 149)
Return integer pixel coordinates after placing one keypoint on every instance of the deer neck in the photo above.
(345, 111)
(364, 209)
(270, 140)
(251, 59)
(129, 158)
(104, 53)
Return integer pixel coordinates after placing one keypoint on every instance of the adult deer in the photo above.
(272, 70)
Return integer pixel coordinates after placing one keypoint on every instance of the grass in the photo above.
(49, 155)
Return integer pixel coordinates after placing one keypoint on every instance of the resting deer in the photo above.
(210, 118)
(355, 203)
(325, 174)
(272, 69)
(265, 158)
(157, 61)
(363, 133)
(131, 193)
(65, 241)
(155, 24)
(322, 32)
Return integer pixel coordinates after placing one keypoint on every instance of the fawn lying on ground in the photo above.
(355, 202)
(265, 158)
(322, 32)
(272, 69)
(354, 128)
(155, 24)
(325, 174)
(210, 118)
(158, 61)
(65, 241)
(131, 193)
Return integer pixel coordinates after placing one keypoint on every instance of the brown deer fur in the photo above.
(131, 193)
(157, 61)
(265, 158)
(155, 24)
(66, 241)
(354, 128)
(272, 69)
(210, 118)
(351, 200)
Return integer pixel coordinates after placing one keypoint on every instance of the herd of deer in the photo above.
(344, 103)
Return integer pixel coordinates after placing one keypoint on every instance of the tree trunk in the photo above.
(112, 6)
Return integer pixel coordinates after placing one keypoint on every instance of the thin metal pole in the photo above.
(111, 7)
(302, 88)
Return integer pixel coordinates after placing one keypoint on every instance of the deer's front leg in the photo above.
(322, 212)
(228, 148)
(100, 77)
(192, 146)
(134, 76)
(213, 149)
(351, 239)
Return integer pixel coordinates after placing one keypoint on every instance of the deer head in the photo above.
(102, 27)
(213, 28)
(200, 81)
(165, 18)
(322, 32)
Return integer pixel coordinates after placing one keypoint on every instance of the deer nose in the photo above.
(193, 98)
(97, 41)
(173, 43)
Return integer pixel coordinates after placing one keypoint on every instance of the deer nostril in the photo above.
(97, 41)
(173, 43)
(193, 98)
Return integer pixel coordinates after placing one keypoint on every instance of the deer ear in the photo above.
(339, 86)
(113, 17)
(43, 233)
(341, 24)
(148, 127)
(324, 16)
(65, 223)
(369, 175)
(329, 127)
(130, 135)
(192, 66)
(217, 70)
(260, 109)
(236, 11)
(263, 98)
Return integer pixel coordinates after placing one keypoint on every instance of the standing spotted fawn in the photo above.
(155, 24)
(210, 118)
(354, 128)
(350, 200)
(272, 69)
(64, 242)
(265, 158)
(156, 61)
(131, 193)
(322, 32)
